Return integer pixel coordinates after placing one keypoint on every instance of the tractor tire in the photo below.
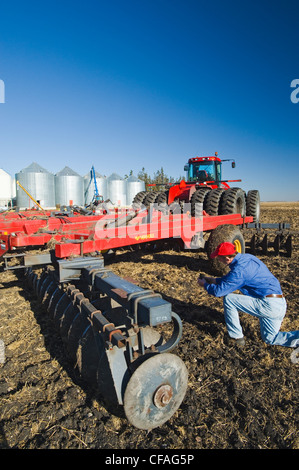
(213, 201)
(162, 202)
(233, 202)
(139, 198)
(199, 197)
(253, 205)
(177, 207)
(162, 198)
(150, 198)
(224, 233)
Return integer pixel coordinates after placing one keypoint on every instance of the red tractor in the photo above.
(204, 186)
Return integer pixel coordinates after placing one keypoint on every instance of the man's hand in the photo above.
(211, 280)
(202, 280)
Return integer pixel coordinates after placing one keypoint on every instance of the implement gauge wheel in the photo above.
(224, 233)
(155, 391)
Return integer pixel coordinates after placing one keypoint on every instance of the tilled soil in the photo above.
(236, 398)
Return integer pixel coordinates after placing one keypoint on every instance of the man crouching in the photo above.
(262, 296)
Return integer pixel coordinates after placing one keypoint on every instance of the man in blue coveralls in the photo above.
(262, 296)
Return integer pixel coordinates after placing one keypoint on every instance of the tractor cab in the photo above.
(204, 170)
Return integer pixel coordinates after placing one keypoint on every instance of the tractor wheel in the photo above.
(139, 198)
(162, 202)
(199, 197)
(233, 202)
(162, 198)
(253, 205)
(177, 207)
(150, 198)
(213, 201)
(224, 233)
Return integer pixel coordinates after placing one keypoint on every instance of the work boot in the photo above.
(240, 342)
(295, 356)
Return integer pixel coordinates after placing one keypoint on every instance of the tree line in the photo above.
(159, 178)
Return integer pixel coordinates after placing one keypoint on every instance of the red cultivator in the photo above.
(72, 234)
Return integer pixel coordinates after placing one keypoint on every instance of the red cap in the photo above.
(224, 249)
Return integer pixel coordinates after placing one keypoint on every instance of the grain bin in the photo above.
(40, 185)
(117, 190)
(69, 188)
(5, 188)
(89, 187)
(13, 188)
(134, 186)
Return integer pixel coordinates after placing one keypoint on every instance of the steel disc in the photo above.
(155, 391)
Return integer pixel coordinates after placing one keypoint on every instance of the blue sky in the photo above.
(126, 84)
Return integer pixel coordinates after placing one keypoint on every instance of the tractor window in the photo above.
(218, 171)
(202, 172)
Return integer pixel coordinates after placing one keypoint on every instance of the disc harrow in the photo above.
(112, 330)
(267, 239)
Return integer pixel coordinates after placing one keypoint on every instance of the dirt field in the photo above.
(236, 398)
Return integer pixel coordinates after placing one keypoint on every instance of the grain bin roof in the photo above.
(133, 179)
(34, 168)
(67, 171)
(98, 175)
(115, 176)
(3, 172)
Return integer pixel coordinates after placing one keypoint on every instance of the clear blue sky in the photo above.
(126, 84)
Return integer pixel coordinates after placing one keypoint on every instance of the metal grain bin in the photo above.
(69, 188)
(134, 186)
(89, 186)
(40, 185)
(117, 190)
(5, 188)
(13, 188)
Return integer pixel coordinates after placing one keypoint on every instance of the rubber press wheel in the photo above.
(155, 391)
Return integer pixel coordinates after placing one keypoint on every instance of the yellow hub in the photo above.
(238, 246)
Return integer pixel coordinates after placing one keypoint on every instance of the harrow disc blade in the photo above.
(155, 391)
(289, 246)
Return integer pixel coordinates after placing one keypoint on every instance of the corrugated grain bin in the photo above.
(89, 187)
(134, 186)
(39, 183)
(69, 188)
(117, 190)
(13, 188)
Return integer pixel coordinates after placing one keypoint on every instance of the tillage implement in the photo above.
(120, 336)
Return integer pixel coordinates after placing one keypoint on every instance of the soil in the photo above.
(237, 398)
